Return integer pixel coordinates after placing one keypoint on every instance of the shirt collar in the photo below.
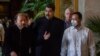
(79, 28)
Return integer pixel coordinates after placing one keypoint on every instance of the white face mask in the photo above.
(74, 22)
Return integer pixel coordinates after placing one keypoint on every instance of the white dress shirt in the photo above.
(77, 42)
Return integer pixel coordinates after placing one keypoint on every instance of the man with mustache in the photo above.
(49, 31)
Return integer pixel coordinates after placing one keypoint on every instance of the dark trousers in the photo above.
(38, 50)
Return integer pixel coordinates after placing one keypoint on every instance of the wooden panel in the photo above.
(57, 8)
(75, 4)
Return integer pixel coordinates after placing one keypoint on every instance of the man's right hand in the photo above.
(46, 35)
(13, 53)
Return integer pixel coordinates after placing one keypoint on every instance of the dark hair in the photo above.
(51, 5)
(22, 14)
(30, 13)
(79, 15)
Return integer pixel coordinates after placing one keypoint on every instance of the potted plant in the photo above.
(35, 6)
(94, 24)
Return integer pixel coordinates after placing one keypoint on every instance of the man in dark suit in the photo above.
(19, 37)
(49, 31)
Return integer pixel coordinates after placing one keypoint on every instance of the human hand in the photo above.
(46, 35)
(13, 53)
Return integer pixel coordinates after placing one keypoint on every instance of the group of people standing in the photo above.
(49, 36)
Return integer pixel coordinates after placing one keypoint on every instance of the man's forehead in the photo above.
(22, 18)
(75, 16)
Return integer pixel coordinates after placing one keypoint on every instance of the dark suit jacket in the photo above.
(18, 40)
(50, 47)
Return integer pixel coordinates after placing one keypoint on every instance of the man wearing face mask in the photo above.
(77, 39)
(49, 31)
(18, 37)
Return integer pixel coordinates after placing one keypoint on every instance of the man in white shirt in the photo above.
(77, 39)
